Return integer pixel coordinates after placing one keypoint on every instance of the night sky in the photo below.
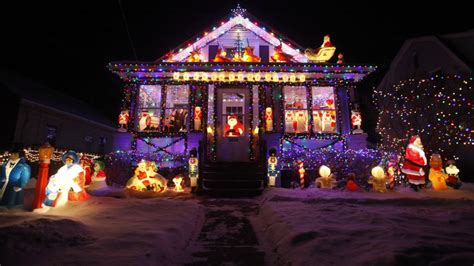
(66, 45)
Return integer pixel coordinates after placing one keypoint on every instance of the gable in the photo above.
(229, 33)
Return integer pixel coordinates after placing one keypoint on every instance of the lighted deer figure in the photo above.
(221, 56)
(279, 56)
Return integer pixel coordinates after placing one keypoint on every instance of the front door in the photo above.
(232, 125)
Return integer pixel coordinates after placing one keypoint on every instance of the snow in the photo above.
(293, 227)
(330, 227)
(102, 231)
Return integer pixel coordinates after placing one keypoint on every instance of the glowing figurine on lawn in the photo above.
(193, 168)
(14, 176)
(415, 160)
(233, 128)
(453, 175)
(67, 177)
(378, 179)
(301, 172)
(123, 121)
(436, 174)
(86, 165)
(351, 184)
(272, 171)
(98, 177)
(146, 178)
(177, 180)
(325, 180)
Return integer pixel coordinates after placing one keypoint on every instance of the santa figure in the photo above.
(123, 120)
(356, 119)
(233, 128)
(301, 122)
(330, 103)
(144, 120)
(289, 122)
(268, 119)
(197, 118)
(415, 160)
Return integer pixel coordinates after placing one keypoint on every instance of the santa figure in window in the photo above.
(233, 128)
(301, 122)
(330, 103)
(144, 120)
(268, 119)
(197, 118)
(356, 119)
(329, 122)
(123, 121)
(154, 122)
(415, 160)
(289, 122)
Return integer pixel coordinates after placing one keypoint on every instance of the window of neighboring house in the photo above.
(51, 134)
(102, 142)
(149, 107)
(324, 109)
(176, 110)
(88, 143)
(296, 109)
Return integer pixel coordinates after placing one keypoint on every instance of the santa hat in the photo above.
(85, 160)
(413, 139)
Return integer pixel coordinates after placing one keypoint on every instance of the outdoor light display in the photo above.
(98, 176)
(268, 119)
(325, 180)
(197, 118)
(436, 174)
(323, 53)
(378, 179)
(356, 119)
(123, 120)
(301, 172)
(66, 179)
(193, 168)
(146, 178)
(351, 184)
(272, 169)
(439, 109)
(453, 175)
(415, 160)
(177, 180)
(15, 174)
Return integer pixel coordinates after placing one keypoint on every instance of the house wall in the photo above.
(9, 105)
(33, 120)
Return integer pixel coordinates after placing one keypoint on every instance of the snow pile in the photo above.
(101, 231)
(330, 227)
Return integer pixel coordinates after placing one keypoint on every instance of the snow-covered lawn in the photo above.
(320, 227)
(101, 231)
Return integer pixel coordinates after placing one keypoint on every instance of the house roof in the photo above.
(27, 89)
(238, 17)
(448, 54)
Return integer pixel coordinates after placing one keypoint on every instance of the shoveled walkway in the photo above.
(227, 236)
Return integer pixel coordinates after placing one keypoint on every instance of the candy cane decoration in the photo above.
(301, 171)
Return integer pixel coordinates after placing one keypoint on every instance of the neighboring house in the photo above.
(422, 57)
(35, 114)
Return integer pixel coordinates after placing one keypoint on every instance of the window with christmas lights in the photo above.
(296, 109)
(150, 107)
(233, 111)
(323, 109)
(176, 111)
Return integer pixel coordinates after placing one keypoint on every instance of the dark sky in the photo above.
(67, 44)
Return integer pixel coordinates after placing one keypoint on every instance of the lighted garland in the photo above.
(32, 155)
(439, 109)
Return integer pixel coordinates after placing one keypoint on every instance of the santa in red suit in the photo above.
(233, 128)
(123, 120)
(415, 160)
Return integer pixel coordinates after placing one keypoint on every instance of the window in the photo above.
(296, 109)
(51, 134)
(233, 114)
(324, 110)
(149, 107)
(88, 142)
(176, 112)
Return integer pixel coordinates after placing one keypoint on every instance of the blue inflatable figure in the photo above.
(14, 175)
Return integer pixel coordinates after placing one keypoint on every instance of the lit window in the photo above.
(149, 107)
(323, 109)
(296, 109)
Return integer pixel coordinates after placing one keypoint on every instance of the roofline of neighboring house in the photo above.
(69, 114)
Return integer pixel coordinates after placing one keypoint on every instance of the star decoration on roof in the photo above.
(238, 11)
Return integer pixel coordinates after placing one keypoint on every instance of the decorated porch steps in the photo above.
(233, 177)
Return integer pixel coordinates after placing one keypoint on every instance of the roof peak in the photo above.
(238, 11)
